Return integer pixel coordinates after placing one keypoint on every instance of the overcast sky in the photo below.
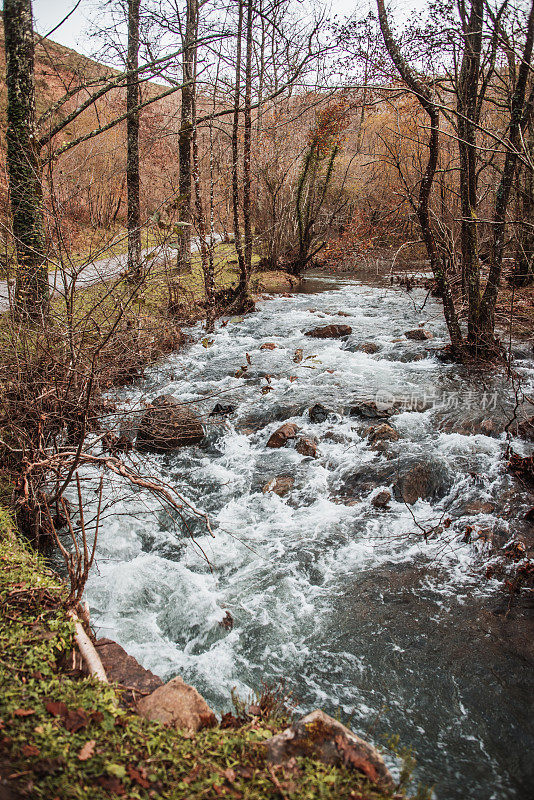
(48, 13)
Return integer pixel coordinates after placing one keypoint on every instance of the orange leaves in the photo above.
(330, 122)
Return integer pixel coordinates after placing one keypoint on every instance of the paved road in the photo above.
(103, 270)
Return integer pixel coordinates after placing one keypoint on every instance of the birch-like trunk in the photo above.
(185, 136)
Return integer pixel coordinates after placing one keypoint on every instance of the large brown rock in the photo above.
(124, 669)
(168, 424)
(282, 435)
(177, 704)
(330, 332)
(319, 736)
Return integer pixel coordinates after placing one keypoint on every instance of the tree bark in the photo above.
(467, 104)
(184, 142)
(489, 298)
(247, 144)
(23, 162)
(132, 128)
(235, 147)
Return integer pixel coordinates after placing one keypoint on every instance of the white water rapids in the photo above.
(351, 605)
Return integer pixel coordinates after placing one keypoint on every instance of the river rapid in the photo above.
(382, 617)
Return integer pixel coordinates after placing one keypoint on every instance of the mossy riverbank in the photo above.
(63, 735)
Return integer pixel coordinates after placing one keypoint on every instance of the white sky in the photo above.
(48, 13)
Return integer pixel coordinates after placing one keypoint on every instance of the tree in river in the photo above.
(474, 81)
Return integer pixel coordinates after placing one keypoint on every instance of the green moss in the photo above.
(42, 744)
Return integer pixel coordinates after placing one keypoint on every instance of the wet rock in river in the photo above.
(177, 704)
(307, 447)
(318, 413)
(319, 736)
(417, 483)
(367, 347)
(280, 485)
(167, 425)
(478, 507)
(268, 346)
(282, 435)
(330, 332)
(382, 433)
(220, 410)
(418, 335)
(381, 500)
(370, 410)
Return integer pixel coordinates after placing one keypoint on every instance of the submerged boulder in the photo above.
(330, 332)
(282, 435)
(168, 424)
(177, 704)
(319, 736)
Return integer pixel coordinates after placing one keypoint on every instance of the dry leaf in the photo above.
(87, 750)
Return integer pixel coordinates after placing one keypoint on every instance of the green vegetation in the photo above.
(63, 735)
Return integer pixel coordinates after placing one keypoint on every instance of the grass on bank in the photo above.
(64, 736)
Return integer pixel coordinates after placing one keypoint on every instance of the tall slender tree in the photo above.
(132, 158)
(189, 37)
(23, 162)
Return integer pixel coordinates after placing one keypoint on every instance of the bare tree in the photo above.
(23, 162)
(132, 158)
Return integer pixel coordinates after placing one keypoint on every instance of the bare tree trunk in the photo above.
(424, 96)
(247, 143)
(184, 145)
(206, 261)
(467, 98)
(489, 299)
(23, 162)
(235, 147)
(132, 126)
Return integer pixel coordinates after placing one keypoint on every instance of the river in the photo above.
(383, 617)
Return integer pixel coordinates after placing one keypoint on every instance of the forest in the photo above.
(266, 399)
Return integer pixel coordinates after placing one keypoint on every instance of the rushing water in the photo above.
(352, 605)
